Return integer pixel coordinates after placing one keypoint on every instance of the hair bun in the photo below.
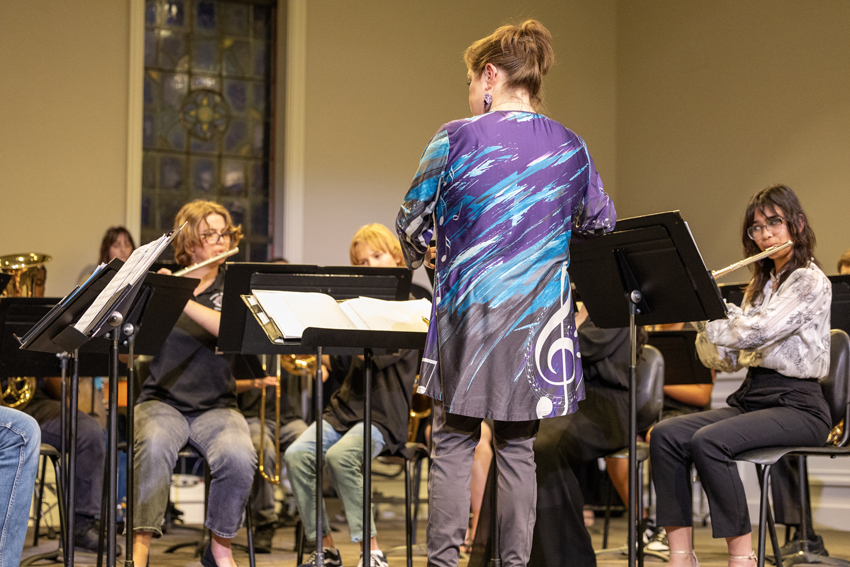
(541, 43)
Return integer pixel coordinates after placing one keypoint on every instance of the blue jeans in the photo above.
(263, 492)
(20, 440)
(344, 462)
(222, 438)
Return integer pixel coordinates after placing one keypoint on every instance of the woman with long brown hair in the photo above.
(781, 334)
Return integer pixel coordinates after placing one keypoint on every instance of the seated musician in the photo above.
(190, 397)
(291, 427)
(342, 422)
(599, 427)
(46, 408)
(844, 263)
(782, 335)
(20, 440)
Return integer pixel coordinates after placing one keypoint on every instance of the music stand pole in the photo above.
(112, 499)
(634, 299)
(72, 461)
(130, 333)
(367, 458)
(320, 530)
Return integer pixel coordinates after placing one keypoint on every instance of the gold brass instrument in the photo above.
(420, 408)
(836, 434)
(19, 392)
(747, 261)
(193, 267)
(298, 365)
(28, 275)
(27, 271)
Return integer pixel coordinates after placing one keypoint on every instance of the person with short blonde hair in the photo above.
(379, 239)
(844, 263)
(342, 422)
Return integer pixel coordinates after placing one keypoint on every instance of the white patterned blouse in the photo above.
(787, 331)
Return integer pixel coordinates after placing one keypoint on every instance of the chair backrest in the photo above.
(649, 378)
(836, 386)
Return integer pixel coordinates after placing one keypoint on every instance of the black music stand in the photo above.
(123, 315)
(647, 271)
(17, 316)
(681, 362)
(340, 282)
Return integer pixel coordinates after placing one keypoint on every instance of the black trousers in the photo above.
(563, 444)
(91, 451)
(768, 410)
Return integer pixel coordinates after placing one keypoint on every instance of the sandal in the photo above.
(690, 552)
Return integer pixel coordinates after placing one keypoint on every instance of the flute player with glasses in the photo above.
(189, 396)
(781, 334)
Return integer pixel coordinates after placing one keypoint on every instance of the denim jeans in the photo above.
(344, 462)
(263, 492)
(220, 435)
(20, 440)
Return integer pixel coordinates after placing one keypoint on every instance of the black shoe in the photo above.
(263, 537)
(87, 534)
(207, 559)
(815, 546)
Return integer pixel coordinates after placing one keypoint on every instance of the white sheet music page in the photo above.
(294, 311)
(381, 315)
(133, 269)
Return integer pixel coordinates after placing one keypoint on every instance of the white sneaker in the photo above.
(656, 540)
(377, 559)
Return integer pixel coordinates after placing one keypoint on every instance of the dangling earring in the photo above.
(488, 102)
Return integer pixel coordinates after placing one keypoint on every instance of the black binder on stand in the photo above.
(647, 271)
(243, 334)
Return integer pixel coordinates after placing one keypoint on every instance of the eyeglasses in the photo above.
(215, 237)
(757, 230)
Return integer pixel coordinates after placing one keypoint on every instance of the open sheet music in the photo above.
(285, 314)
(130, 274)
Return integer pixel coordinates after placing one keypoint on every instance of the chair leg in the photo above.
(408, 521)
(40, 500)
(249, 525)
(60, 497)
(609, 485)
(299, 541)
(764, 471)
(417, 483)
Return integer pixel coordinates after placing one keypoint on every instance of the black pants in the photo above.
(91, 451)
(563, 444)
(768, 410)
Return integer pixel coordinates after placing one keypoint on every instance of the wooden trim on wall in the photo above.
(291, 120)
(135, 103)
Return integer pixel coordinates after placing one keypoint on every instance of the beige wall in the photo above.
(382, 76)
(684, 105)
(63, 130)
(718, 99)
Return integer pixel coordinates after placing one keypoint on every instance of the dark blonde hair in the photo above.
(109, 239)
(190, 237)
(785, 203)
(377, 237)
(844, 261)
(523, 52)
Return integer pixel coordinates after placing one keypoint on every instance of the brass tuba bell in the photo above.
(28, 276)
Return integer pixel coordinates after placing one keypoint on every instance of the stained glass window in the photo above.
(206, 119)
